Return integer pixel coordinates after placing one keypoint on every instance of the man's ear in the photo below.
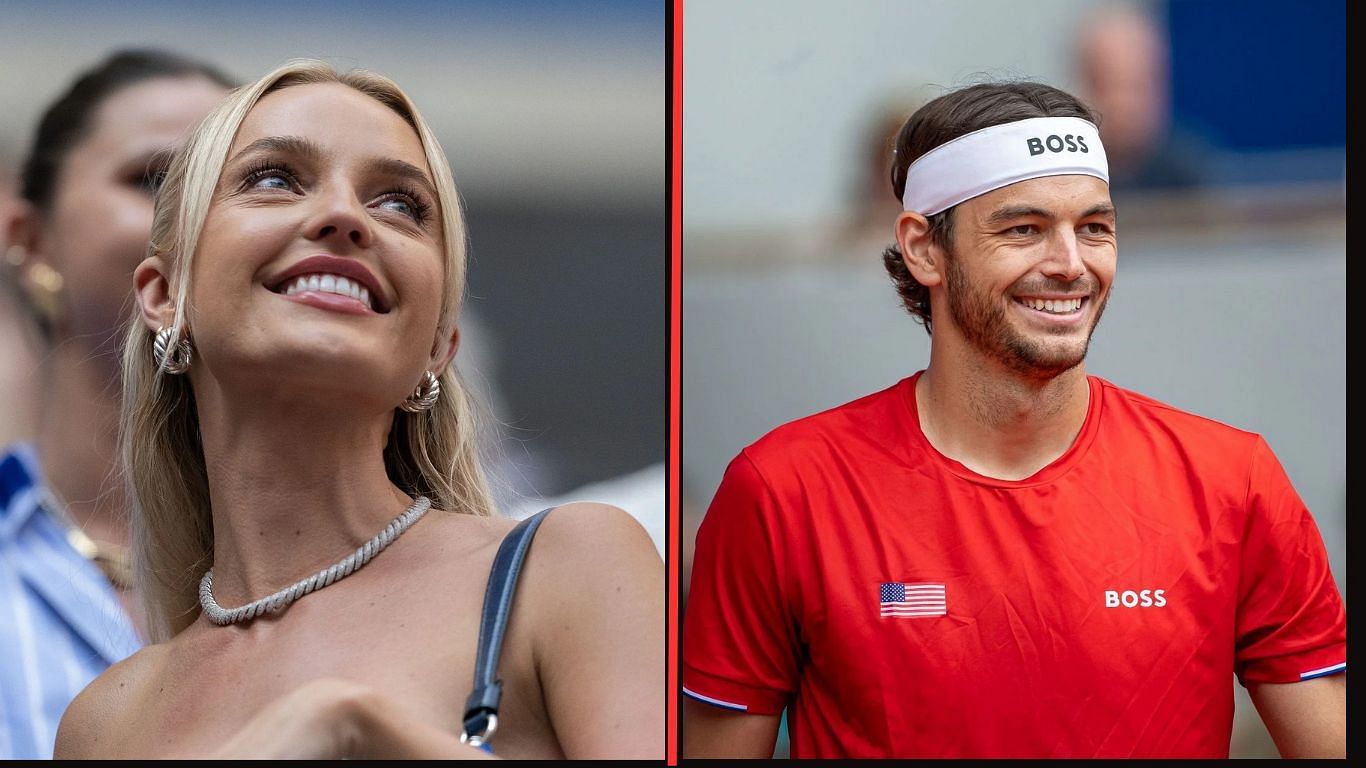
(921, 255)
(443, 351)
(152, 287)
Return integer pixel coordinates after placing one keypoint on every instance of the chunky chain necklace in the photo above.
(349, 564)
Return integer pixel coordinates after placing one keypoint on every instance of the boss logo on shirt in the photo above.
(1143, 598)
(1056, 143)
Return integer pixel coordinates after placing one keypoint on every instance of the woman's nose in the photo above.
(340, 215)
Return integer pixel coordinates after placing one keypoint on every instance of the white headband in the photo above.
(978, 162)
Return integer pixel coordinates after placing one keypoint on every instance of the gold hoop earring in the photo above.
(42, 285)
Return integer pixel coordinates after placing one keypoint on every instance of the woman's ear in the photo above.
(20, 229)
(921, 255)
(443, 351)
(152, 287)
(40, 282)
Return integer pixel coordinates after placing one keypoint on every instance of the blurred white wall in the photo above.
(774, 89)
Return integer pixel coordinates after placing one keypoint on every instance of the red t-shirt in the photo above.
(900, 604)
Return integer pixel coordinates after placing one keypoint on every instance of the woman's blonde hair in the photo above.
(434, 453)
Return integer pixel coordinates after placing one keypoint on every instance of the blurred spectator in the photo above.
(873, 201)
(72, 242)
(18, 388)
(1124, 73)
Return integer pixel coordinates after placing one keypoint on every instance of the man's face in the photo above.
(1030, 272)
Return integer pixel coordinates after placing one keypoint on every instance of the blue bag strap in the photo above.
(481, 708)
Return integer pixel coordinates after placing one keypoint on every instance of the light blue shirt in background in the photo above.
(61, 623)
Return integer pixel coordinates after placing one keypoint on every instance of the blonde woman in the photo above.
(290, 403)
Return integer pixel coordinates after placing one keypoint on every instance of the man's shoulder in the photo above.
(857, 420)
(1142, 410)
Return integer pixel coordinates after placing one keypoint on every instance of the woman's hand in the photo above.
(317, 720)
(330, 719)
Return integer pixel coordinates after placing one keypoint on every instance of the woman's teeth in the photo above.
(330, 284)
(1056, 306)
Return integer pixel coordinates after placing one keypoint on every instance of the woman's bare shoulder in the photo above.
(95, 719)
(588, 543)
(594, 589)
(582, 528)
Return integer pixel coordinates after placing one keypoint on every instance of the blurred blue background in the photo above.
(1266, 81)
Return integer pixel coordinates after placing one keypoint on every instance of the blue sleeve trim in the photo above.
(716, 702)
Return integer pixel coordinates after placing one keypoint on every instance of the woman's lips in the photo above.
(330, 301)
(328, 274)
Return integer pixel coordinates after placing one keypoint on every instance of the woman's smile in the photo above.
(333, 283)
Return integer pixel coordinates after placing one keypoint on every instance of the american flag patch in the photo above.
(911, 600)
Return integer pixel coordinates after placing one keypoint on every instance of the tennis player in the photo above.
(1001, 556)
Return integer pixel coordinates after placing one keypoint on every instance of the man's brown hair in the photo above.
(945, 119)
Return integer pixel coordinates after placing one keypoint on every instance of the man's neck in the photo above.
(996, 421)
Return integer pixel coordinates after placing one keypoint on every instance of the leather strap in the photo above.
(481, 708)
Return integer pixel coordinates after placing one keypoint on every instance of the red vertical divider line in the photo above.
(675, 372)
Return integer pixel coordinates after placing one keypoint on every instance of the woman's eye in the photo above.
(399, 205)
(271, 181)
(405, 204)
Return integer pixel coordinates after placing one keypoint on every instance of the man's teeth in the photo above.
(330, 284)
(1058, 306)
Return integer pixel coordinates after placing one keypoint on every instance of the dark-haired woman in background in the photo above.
(66, 607)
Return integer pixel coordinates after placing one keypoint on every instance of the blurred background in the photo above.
(552, 115)
(1225, 125)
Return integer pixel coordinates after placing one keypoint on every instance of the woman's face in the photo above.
(97, 229)
(321, 261)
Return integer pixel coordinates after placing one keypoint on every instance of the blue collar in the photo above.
(19, 475)
(49, 564)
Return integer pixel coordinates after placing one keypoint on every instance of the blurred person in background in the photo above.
(1001, 555)
(18, 389)
(289, 389)
(68, 607)
(870, 205)
(1124, 71)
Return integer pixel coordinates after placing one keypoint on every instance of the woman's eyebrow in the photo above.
(401, 169)
(294, 145)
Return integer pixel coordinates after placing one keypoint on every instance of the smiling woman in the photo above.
(291, 413)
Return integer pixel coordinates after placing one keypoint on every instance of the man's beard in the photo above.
(982, 321)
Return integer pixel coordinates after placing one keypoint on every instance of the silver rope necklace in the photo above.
(348, 565)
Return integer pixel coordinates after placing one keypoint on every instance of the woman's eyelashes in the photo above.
(270, 175)
(407, 202)
(277, 176)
